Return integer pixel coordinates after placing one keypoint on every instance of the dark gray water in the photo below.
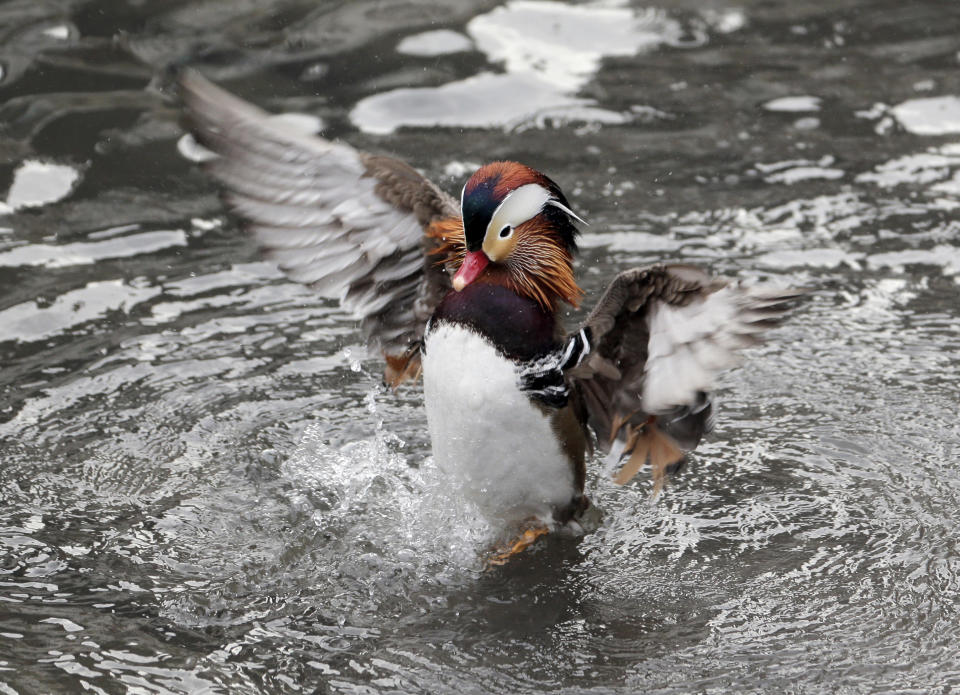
(203, 489)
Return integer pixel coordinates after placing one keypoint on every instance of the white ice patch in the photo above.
(913, 169)
(804, 173)
(564, 44)
(548, 50)
(486, 433)
(86, 253)
(930, 116)
(434, 43)
(482, 101)
(794, 104)
(27, 321)
(37, 183)
(60, 32)
(725, 21)
(457, 169)
(951, 187)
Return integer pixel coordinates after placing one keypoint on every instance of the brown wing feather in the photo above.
(660, 335)
(348, 223)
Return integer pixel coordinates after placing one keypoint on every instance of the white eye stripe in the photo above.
(519, 206)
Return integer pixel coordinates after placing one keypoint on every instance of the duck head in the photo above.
(518, 231)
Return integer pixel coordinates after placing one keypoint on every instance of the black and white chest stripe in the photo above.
(543, 378)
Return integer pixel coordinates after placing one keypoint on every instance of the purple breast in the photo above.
(517, 326)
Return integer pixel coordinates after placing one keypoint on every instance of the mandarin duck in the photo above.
(467, 294)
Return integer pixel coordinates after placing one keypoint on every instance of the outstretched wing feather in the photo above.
(343, 221)
(661, 336)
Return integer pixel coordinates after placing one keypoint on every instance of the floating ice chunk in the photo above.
(549, 50)
(921, 168)
(564, 44)
(725, 21)
(458, 169)
(482, 101)
(951, 187)
(27, 321)
(794, 170)
(929, 116)
(85, 253)
(435, 43)
(808, 123)
(37, 183)
(795, 104)
(61, 32)
(67, 625)
(804, 173)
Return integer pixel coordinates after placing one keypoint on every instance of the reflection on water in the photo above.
(204, 489)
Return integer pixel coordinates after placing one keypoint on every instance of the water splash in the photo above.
(368, 495)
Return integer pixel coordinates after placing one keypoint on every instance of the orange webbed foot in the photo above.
(502, 555)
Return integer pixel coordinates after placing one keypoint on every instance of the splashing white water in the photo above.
(370, 498)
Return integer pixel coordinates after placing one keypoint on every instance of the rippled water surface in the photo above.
(204, 490)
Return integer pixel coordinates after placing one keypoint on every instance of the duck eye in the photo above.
(506, 231)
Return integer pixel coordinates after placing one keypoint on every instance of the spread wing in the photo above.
(345, 222)
(658, 339)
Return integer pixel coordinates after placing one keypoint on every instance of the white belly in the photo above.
(485, 431)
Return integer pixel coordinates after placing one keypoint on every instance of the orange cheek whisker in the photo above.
(543, 270)
(450, 245)
(538, 267)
